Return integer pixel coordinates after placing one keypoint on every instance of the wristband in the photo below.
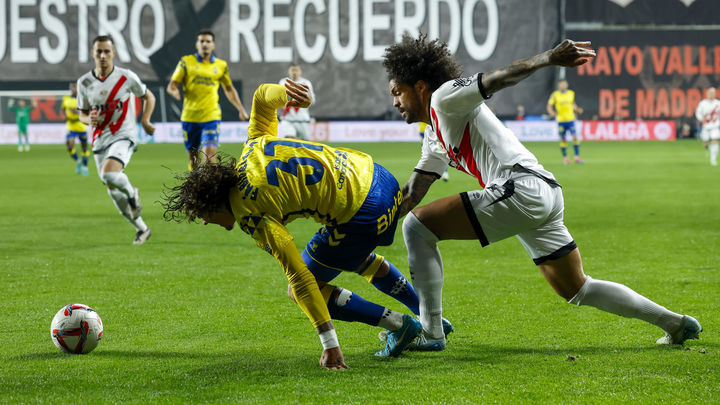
(329, 339)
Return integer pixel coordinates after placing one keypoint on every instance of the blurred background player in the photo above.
(277, 181)
(708, 115)
(22, 118)
(421, 126)
(105, 100)
(295, 122)
(76, 129)
(200, 75)
(563, 101)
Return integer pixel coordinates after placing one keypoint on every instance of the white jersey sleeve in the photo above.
(82, 98)
(460, 96)
(698, 112)
(434, 159)
(135, 85)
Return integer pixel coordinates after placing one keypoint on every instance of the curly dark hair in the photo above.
(412, 60)
(202, 191)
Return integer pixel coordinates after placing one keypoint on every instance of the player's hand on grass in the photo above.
(299, 94)
(148, 127)
(571, 54)
(332, 359)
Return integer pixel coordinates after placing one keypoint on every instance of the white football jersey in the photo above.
(113, 97)
(296, 114)
(465, 134)
(708, 113)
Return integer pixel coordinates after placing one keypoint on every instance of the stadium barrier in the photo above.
(380, 131)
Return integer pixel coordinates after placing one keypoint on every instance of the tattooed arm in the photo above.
(568, 53)
(414, 190)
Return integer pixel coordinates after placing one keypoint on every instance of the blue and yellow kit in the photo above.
(200, 82)
(280, 180)
(564, 103)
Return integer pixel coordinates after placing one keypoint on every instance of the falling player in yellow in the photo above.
(76, 129)
(563, 101)
(200, 75)
(277, 180)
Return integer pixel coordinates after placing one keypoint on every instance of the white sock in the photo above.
(121, 203)
(621, 300)
(139, 224)
(426, 269)
(391, 320)
(713, 148)
(120, 181)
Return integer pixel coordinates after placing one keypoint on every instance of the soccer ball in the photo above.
(76, 329)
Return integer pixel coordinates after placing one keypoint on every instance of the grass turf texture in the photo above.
(199, 314)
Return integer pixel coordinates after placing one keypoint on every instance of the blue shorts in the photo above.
(565, 127)
(346, 246)
(77, 134)
(200, 133)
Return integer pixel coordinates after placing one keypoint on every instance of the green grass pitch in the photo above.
(199, 314)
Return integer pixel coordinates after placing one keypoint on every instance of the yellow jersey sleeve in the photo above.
(275, 239)
(263, 116)
(180, 71)
(72, 119)
(225, 76)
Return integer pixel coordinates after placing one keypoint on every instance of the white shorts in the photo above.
(526, 206)
(295, 129)
(708, 134)
(121, 150)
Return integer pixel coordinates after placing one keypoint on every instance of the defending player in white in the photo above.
(518, 196)
(106, 102)
(708, 115)
(294, 121)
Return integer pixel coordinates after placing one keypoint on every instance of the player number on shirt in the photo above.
(291, 166)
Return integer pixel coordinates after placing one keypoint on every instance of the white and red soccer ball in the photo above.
(76, 329)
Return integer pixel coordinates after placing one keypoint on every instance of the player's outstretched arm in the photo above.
(414, 190)
(568, 53)
(173, 90)
(234, 98)
(148, 107)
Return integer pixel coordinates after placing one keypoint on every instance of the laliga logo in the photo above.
(662, 131)
(625, 3)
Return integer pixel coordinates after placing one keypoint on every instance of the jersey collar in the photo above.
(200, 59)
(103, 79)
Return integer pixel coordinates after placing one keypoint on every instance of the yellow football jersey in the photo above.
(200, 81)
(284, 179)
(72, 119)
(563, 103)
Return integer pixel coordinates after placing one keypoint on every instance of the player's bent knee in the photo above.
(413, 228)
